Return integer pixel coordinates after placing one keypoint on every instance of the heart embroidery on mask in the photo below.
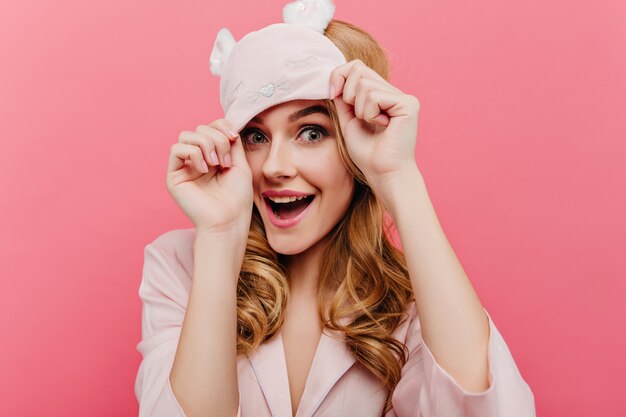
(267, 90)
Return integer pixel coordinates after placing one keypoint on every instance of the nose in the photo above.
(279, 162)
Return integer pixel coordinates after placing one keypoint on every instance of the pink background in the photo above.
(520, 142)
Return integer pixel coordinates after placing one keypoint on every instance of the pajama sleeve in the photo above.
(164, 301)
(425, 389)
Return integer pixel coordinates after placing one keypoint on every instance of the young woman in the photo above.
(288, 298)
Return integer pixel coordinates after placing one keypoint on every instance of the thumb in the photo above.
(345, 112)
(237, 152)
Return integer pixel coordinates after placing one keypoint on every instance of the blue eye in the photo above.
(250, 136)
(321, 132)
(253, 132)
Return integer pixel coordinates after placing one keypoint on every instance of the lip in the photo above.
(283, 223)
(274, 193)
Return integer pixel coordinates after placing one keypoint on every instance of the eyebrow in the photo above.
(317, 108)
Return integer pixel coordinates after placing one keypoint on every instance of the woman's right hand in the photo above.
(217, 198)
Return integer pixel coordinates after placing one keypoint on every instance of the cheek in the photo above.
(323, 163)
(332, 178)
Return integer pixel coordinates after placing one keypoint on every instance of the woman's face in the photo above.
(292, 146)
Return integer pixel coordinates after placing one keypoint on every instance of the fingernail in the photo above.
(232, 133)
(332, 91)
(213, 157)
(205, 167)
(227, 159)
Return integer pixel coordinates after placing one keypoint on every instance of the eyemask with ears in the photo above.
(278, 63)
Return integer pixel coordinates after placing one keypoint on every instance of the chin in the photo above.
(287, 246)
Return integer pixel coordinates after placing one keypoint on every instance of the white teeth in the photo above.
(285, 199)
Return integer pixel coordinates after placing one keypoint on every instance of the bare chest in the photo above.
(301, 335)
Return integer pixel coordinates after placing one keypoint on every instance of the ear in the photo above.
(315, 14)
(224, 44)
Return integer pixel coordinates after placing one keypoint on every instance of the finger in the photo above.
(218, 140)
(180, 153)
(340, 74)
(380, 84)
(363, 90)
(238, 153)
(363, 78)
(206, 145)
(338, 77)
(394, 104)
(226, 127)
(349, 88)
(371, 112)
(368, 71)
(345, 111)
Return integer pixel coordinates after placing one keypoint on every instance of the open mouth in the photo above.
(289, 210)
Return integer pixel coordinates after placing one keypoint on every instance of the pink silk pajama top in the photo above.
(337, 385)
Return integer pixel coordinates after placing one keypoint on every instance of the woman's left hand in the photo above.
(378, 121)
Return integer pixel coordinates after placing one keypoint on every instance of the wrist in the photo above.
(227, 249)
(392, 188)
(221, 237)
(235, 230)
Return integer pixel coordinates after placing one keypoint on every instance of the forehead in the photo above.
(292, 110)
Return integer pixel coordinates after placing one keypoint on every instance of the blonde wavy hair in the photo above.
(362, 275)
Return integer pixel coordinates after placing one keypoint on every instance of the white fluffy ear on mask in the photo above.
(224, 44)
(315, 14)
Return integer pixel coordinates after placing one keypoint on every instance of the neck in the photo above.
(303, 270)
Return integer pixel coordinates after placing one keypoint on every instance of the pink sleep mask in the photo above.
(278, 63)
